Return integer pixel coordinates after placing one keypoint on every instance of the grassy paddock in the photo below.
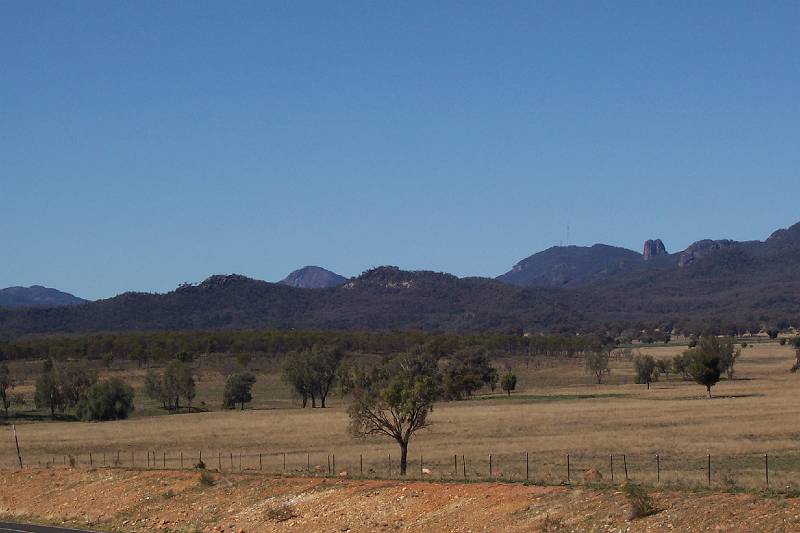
(557, 410)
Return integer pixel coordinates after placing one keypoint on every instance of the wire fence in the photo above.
(780, 472)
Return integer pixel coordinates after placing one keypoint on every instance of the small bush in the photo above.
(200, 466)
(641, 503)
(281, 513)
(207, 479)
(552, 525)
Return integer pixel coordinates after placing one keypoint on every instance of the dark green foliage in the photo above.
(48, 392)
(312, 373)
(680, 364)
(394, 399)
(773, 333)
(509, 382)
(6, 384)
(704, 364)
(646, 369)
(782, 342)
(238, 390)
(467, 373)
(106, 400)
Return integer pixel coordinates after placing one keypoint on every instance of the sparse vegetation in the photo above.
(509, 382)
(597, 363)
(238, 390)
(645, 368)
(641, 503)
(110, 399)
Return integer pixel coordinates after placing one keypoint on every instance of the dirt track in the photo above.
(130, 500)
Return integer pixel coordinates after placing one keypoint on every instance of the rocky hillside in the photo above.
(36, 296)
(313, 277)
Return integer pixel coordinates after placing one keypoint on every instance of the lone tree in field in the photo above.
(394, 399)
(646, 369)
(48, 392)
(6, 384)
(597, 363)
(705, 369)
(238, 390)
(509, 382)
(106, 400)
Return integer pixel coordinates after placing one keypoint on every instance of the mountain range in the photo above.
(717, 284)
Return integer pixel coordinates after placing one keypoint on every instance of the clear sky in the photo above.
(143, 144)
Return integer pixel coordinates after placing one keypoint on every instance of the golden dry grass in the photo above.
(557, 410)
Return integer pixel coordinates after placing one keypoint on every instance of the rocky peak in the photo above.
(653, 248)
(313, 277)
(701, 249)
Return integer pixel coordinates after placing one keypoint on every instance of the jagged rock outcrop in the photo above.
(702, 249)
(653, 248)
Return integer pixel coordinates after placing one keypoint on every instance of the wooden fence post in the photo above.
(490, 465)
(361, 463)
(117, 458)
(455, 465)
(420, 466)
(231, 461)
(91, 463)
(261, 462)
(464, 466)
(16, 442)
(766, 469)
(611, 462)
(133, 458)
(333, 460)
(308, 462)
(200, 455)
(181, 459)
(625, 464)
(658, 469)
(709, 469)
(390, 464)
(284, 462)
(568, 470)
(164, 459)
(329, 463)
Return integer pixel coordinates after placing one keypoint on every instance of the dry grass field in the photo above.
(556, 410)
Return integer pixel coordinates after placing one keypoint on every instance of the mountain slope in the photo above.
(572, 266)
(36, 296)
(313, 277)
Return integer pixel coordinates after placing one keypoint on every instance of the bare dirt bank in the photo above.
(132, 500)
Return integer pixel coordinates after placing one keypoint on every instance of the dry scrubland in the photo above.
(125, 500)
(557, 410)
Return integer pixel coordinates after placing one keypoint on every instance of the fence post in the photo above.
(490, 465)
(240, 461)
(164, 459)
(181, 459)
(284, 461)
(117, 459)
(133, 459)
(361, 463)
(766, 468)
(231, 461)
(16, 442)
(308, 462)
(709, 469)
(104, 458)
(329, 463)
(261, 463)
(568, 470)
(658, 469)
(219, 460)
(527, 467)
(464, 466)
(455, 465)
(148, 459)
(420, 466)
(625, 464)
(91, 463)
(611, 461)
(200, 455)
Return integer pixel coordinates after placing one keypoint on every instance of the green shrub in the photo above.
(106, 400)
(641, 503)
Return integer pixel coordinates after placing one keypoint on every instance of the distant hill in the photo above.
(36, 296)
(313, 277)
(572, 266)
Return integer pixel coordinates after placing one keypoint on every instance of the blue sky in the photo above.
(143, 144)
